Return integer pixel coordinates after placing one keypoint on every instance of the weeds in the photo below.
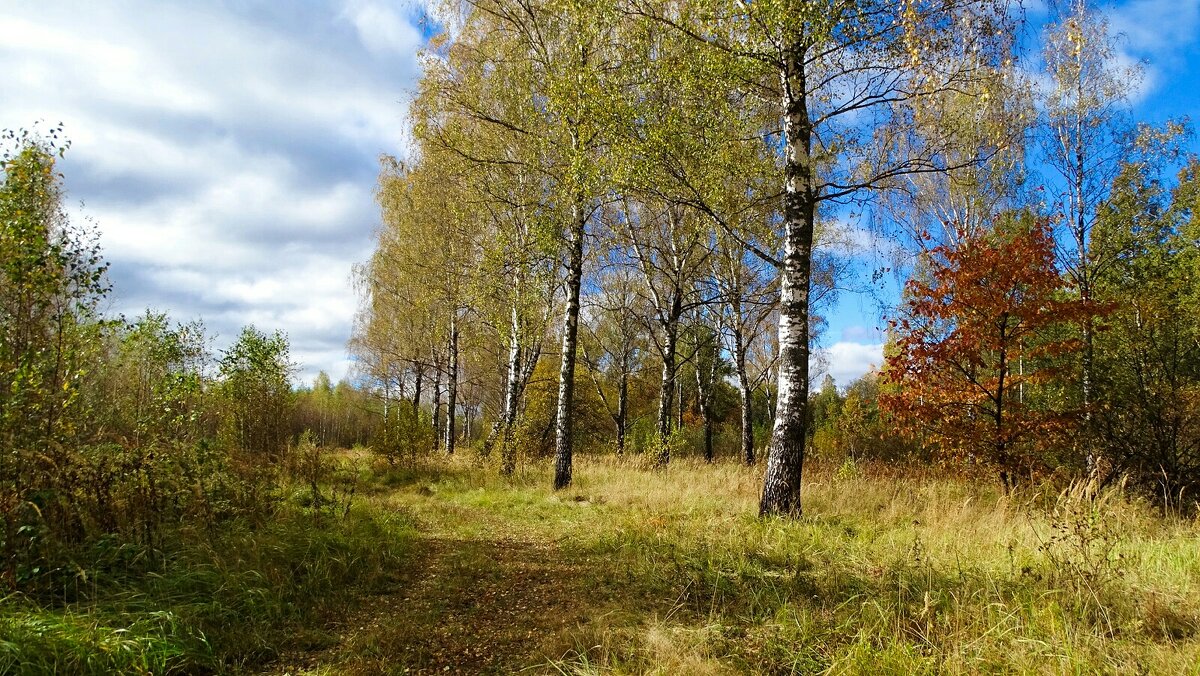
(889, 573)
(231, 599)
(648, 570)
(1083, 551)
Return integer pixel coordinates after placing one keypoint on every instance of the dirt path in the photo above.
(466, 606)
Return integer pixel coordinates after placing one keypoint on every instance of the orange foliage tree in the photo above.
(984, 323)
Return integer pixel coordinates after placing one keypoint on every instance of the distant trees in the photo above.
(257, 392)
(614, 344)
(746, 287)
(1147, 352)
(669, 249)
(338, 416)
(1000, 356)
(152, 389)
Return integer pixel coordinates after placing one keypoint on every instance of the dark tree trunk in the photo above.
(452, 384)
(706, 381)
(416, 400)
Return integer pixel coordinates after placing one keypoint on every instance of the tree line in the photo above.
(618, 223)
(117, 431)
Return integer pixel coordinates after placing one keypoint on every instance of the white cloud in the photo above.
(1157, 27)
(381, 29)
(227, 151)
(847, 361)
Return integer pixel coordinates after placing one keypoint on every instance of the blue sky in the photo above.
(227, 150)
(1162, 34)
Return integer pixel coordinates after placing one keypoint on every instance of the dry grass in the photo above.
(641, 570)
(902, 573)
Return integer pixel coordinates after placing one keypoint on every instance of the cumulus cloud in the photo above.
(226, 151)
(847, 361)
(381, 29)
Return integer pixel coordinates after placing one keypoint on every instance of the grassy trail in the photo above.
(466, 606)
(634, 570)
(642, 571)
(482, 594)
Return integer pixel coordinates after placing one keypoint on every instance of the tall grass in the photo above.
(213, 602)
(907, 573)
(886, 572)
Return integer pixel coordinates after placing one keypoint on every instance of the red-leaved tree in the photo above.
(978, 329)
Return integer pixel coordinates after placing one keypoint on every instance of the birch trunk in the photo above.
(705, 384)
(678, 402)
(467, 417)
(622, 410)
(666, 396)
(785, 461)
(512, 389)
(437, 405)
(512, 392)
(667, 389)
(566, 371)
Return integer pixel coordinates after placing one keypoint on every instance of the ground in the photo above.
(449, 567)
(481, 594)
(635, 570)
(483, 605)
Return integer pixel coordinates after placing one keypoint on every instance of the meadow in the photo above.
(450, 567)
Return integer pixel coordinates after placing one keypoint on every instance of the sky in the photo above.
(1163, 35)
(227, 150)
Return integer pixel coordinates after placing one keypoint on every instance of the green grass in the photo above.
(227, 601)
(883, 574)
(637, 570)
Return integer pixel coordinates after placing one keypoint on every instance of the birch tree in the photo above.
(418, 280)
(614, 344)
(745, 286)
(550, 60)
(1085, 131)
(844, 78)
(670, 251)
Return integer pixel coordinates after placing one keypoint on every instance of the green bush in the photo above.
(403, 436)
